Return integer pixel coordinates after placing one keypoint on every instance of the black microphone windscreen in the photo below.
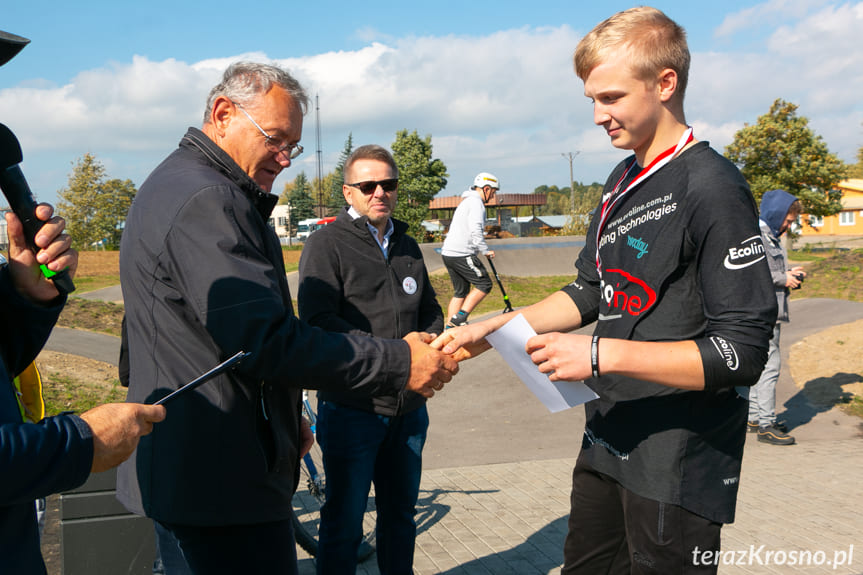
(10, 149)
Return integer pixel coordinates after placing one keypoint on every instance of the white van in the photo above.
(306, 227)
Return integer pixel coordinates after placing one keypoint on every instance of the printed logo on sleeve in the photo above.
(749, 251)
(727, 351)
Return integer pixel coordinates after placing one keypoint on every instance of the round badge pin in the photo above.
(409, 285)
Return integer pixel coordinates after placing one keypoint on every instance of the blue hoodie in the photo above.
(774, 208)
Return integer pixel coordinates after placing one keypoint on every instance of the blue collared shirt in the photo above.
(374, 231)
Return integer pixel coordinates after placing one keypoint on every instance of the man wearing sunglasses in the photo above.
(364, 275)
(203, 278)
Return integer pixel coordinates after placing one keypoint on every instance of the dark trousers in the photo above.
(358, 448)
(259, 549)
(616, 532)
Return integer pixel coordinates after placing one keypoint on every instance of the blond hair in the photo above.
(653, 42)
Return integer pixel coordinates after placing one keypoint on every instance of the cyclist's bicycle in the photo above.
(310, 497)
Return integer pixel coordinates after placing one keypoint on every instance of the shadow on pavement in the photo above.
(429, 512)
(817, 396)
(540, 553)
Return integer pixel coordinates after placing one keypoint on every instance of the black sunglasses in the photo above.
(370, 186)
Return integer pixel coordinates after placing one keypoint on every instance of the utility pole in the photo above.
(290, 227)
(319, 177)
(571, 156)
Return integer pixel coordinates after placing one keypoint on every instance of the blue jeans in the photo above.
(358, 448)
(169, 557)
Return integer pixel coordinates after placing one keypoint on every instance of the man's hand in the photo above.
(563, 357)
(792, 275)
(55, 251)
(307, 438)
(117, 427)
(464, 342)
(430, 369)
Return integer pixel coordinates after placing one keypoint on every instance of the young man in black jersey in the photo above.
(674, 274)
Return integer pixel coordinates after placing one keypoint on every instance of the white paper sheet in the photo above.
(510, 341)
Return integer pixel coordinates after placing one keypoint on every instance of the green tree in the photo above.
(334, 180)
(587, 197)
(781, 151)
(556, 200)
(95, 208)
(576, 203)
(856, 170)
(334, 199)
(420, 178)
(299, 193)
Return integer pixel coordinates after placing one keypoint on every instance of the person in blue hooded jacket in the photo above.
(55, 453)
(779, 210)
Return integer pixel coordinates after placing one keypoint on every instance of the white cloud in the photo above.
(767, 13)
(813, 62)
(508, 102)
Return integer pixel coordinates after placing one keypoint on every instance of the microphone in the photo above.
(21, 201)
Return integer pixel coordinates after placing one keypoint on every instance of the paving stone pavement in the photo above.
(495, 490)
(798, 512)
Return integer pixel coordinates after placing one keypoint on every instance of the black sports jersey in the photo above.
(681, 259)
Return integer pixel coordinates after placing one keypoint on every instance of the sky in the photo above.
(491, 82)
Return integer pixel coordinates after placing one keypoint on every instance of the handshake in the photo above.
(434, 360)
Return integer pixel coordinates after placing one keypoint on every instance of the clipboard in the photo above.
(204, 377)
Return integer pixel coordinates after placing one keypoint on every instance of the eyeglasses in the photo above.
(275, 145)
(370, 186)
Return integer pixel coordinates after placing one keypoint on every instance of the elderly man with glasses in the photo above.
(364, 275)
(203, 278)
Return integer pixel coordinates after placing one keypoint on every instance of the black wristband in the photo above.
(594, 356)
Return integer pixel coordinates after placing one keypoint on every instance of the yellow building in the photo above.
(848, 222)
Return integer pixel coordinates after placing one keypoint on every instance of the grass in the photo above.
(522, 291)
(854, 406)
(291, 255)
(104, 317)
(65, 393)
(93, 283)
(836, 275)
(831, 274)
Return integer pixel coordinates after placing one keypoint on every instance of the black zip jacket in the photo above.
(348, 285)
(203, 277)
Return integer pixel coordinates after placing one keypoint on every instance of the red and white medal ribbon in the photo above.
(611, 199)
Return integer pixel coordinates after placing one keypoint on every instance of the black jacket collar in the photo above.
(263, 201)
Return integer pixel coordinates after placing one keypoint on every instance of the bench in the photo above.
(98, 535)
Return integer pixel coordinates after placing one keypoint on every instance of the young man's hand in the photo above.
(430, 369)
(464, 342)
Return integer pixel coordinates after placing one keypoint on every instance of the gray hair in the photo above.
(242, 82)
